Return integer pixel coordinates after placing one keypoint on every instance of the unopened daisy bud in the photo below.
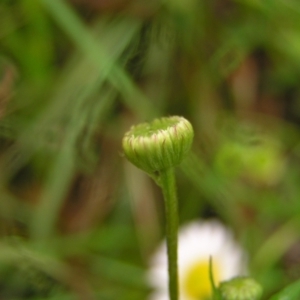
(240, 288)
(158, 145)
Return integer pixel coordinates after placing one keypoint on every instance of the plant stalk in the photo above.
(167, 183)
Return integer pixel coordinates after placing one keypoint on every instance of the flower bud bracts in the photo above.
(158, 145)
(240, 288)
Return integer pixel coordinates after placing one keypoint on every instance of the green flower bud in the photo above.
(158, 145)
(240, 288)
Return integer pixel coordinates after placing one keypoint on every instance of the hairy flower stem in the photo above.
(167, 183)
(157, 147)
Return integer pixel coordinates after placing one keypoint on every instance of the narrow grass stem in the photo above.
(167, 183)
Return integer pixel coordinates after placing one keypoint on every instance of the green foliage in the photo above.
(76, 220)
(290, 292)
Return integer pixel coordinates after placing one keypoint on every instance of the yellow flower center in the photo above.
(196, 284)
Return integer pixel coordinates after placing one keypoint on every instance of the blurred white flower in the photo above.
(197, 241)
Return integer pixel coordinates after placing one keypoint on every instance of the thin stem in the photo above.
(167, 183)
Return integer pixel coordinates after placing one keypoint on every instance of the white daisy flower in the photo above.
(197, 242)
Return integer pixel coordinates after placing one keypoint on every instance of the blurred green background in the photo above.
(77, 221)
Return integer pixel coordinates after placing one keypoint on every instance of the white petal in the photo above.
(197, 241)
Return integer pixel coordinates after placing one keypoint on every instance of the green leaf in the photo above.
(291, 292)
